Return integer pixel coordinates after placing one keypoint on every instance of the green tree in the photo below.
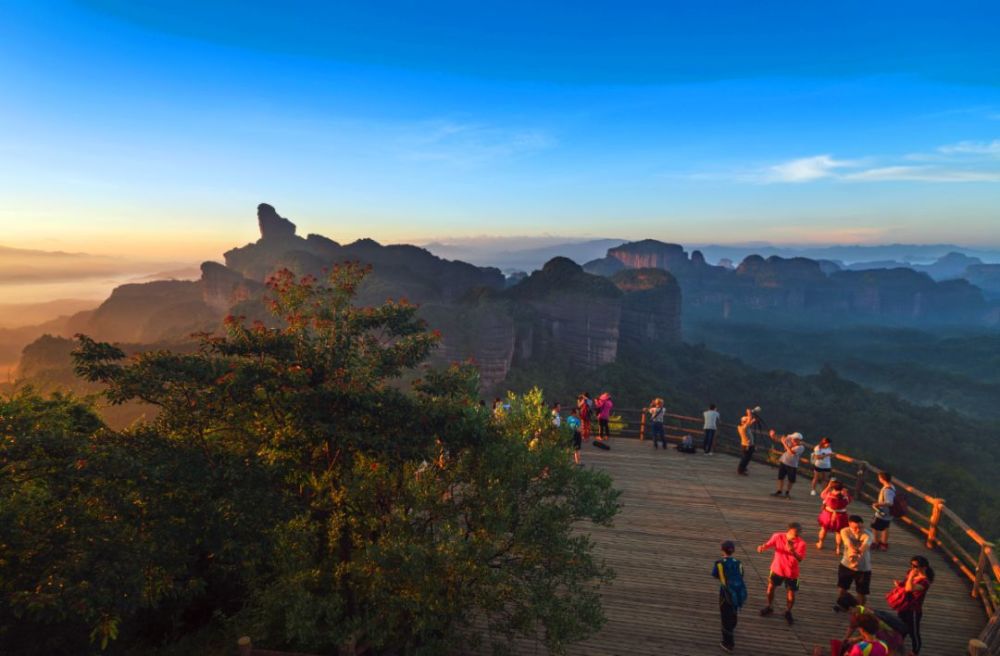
(384, 518)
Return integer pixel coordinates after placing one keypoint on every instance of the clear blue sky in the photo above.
(158, 126)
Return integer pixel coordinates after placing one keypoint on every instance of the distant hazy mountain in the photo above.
(13, 315)
(888, 253)
(518, 254)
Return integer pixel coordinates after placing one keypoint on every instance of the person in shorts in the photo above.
(573, 422)
(789, 551)
(856, 565)
(822, 465)
(788, 463)
(883, 511)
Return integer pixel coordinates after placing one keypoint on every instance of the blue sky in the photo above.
(157, 127)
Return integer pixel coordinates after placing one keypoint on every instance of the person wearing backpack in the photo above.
(883, 508)
(732, 593)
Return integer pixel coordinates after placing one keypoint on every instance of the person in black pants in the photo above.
(732, 593)
(918, 579)
(750, 425)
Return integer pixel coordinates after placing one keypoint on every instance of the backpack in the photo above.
(732, 582)
(900, 504)
(898, 599)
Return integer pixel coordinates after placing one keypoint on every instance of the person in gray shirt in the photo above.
(856, 565)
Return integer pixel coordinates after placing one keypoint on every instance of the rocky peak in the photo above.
(273, 226)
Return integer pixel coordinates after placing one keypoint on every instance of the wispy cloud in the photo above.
(991, 148)
(806, 169)
(470, 144)
(920, 174)
(964, 161)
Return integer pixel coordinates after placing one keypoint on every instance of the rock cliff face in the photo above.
(801, 289)
(567, 314)
(651, 307)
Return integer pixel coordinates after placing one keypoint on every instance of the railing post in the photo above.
(980, 568)
(245, 646)
(859, 481)
(935, 520)
(642, 427)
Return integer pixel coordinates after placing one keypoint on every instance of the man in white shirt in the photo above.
(711, 424)
(788, 463)
(821, 455)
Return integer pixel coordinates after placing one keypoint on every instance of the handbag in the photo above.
(898, 599)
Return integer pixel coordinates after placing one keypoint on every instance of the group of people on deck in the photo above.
(870, 632)
(581, 419)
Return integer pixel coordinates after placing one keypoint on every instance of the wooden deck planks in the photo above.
(679, 507)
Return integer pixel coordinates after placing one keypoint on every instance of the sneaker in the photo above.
(766, 610)
(725, 648)
(742, 473)
(837, 608)
(787, 496)
(812, 493)
(776, 494)
(789, 618)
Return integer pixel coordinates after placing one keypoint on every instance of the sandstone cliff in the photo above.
(651, 307)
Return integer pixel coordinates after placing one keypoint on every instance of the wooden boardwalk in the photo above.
(677, 509)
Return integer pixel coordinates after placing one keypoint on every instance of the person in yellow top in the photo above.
(746, 431)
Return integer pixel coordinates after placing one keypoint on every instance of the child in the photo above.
(573, 421)
(732, 593)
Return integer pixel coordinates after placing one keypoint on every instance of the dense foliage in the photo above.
(291, 488)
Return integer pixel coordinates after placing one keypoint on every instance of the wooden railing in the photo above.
(942, 529)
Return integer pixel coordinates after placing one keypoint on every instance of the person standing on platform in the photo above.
(585, 406)
(732, 593)
(788, 463)
(657, 414)
(789, 551)
(747, 443)
(822, 465)
(556, 415)
(883, 511)
(711, 425)
(918, 580)
(833, 517)
(573, 422)
(604, 406)
(856, 565)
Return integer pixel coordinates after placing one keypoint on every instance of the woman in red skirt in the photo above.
(833, 518)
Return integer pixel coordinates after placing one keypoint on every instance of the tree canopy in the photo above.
(306, 482)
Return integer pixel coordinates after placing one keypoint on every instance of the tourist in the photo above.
(822, 465)
(788, 463)
(657, 413)
(585, 406)
(883, 511)
(856, 565)
(789, 550)
(869, 645)
(556, 416)
(890, 629)
(833, 517)
(498, 408)
(918, 580)
(604, 406)
(711, 425)
(747, 443)
(573, 422)
(732, 593)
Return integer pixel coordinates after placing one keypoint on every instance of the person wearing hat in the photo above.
(788, 463)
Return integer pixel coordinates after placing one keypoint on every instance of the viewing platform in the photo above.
(678, 507)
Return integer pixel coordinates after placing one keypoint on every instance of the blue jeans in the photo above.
(658, 434)
(709, 439)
